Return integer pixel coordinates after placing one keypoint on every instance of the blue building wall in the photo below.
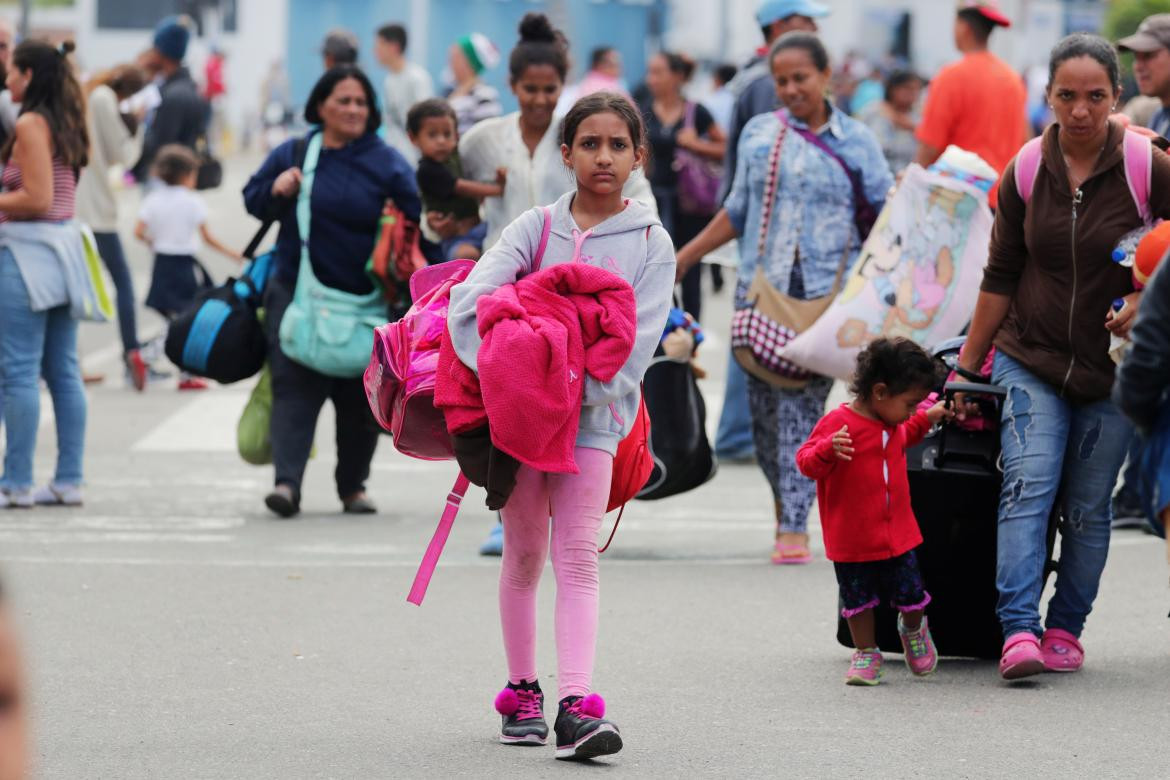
(632, 26)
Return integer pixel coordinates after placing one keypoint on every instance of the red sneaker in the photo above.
(137, 368)
(192, 383)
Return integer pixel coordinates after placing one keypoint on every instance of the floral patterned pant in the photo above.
(781, 421)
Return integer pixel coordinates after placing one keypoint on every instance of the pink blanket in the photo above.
(541, 337)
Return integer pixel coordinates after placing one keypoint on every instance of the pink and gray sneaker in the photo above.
(582, 731)
(521, 706)
(866, 667)
(1021, 656)
(1061, 651)
(918, 646)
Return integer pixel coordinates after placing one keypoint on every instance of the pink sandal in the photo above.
(1021, 656)
(1061, 651)
(783, 554)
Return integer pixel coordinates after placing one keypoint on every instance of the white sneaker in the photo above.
(58, 495)
(19, 499)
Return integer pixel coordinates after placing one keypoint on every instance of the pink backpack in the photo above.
(400, 386)
(1139, 161)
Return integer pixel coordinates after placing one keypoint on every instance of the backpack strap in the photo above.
(1028, 166)
(1139, 162)
(544, 233)
(431, 557)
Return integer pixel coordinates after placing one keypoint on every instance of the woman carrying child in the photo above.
(602, 144)
(857, 455)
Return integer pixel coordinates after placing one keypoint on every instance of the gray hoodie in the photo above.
(622, 244)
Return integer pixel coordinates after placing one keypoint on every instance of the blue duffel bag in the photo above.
(221, 337)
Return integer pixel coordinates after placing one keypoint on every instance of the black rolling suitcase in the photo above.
(955, 484)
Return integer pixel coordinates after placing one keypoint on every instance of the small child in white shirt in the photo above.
(172, 220)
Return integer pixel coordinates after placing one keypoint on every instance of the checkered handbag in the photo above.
(763, 337)
(771, 319)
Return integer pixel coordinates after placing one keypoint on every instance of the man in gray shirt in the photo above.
(405, 85)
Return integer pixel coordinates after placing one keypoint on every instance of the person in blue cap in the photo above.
(754, 93)
(181, 116)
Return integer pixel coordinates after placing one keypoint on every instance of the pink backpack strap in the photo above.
(431, 557)
(1139, 162)
(543, 239)
(1028, 167)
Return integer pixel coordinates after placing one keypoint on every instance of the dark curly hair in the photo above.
(540, 44)
(899, 364)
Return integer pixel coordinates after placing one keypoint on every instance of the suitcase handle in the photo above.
(998, 393)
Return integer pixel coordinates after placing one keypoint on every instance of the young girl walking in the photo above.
(857, 455)
(602, 143)
(171, 220)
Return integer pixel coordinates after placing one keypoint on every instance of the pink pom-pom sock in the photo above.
(507, 702)
(593, 706)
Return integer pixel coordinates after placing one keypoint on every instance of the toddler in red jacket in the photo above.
(857, 455)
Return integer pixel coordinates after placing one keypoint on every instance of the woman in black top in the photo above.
(668, 130)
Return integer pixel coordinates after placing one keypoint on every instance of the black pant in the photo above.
(298, 393)
(682, 227)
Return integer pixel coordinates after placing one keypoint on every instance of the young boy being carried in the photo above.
(431, 126)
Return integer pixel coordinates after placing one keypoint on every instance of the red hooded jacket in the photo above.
(865, 502)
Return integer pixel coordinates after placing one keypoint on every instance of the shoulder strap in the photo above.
(308, 171)
(431, 557)
(1028, 166)
(544, 233)
(1139, 162)
(689, 121)
(770, 183)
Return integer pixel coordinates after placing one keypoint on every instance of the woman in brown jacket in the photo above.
(1046, 305)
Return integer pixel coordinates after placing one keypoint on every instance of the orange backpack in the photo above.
(396, 254)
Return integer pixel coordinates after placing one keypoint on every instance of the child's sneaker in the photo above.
(866, 668)
(522, 709)
(136, 369)
(582, 731)
(918, 646)
(192, 383)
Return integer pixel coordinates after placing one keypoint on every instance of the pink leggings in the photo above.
(577, 504)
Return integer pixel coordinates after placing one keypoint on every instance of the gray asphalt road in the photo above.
(174, 630)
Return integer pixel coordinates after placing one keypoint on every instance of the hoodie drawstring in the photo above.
(579, 239)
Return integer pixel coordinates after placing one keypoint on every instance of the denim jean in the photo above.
(734, 437)
(35, 344)
(109, 246)
(1053, 451)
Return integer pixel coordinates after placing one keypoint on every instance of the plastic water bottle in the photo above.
(1118, 346)
(1126, 249)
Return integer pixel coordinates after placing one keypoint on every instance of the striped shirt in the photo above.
(64, 192)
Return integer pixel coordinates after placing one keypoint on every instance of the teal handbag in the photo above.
(327, 330)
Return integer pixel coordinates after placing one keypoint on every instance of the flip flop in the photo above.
(782, 555)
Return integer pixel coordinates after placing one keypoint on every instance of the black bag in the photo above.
(954, 491)
(678, 430)
(210, 173)
(220, 336)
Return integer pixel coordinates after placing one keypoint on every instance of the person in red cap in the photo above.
(978, 103)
